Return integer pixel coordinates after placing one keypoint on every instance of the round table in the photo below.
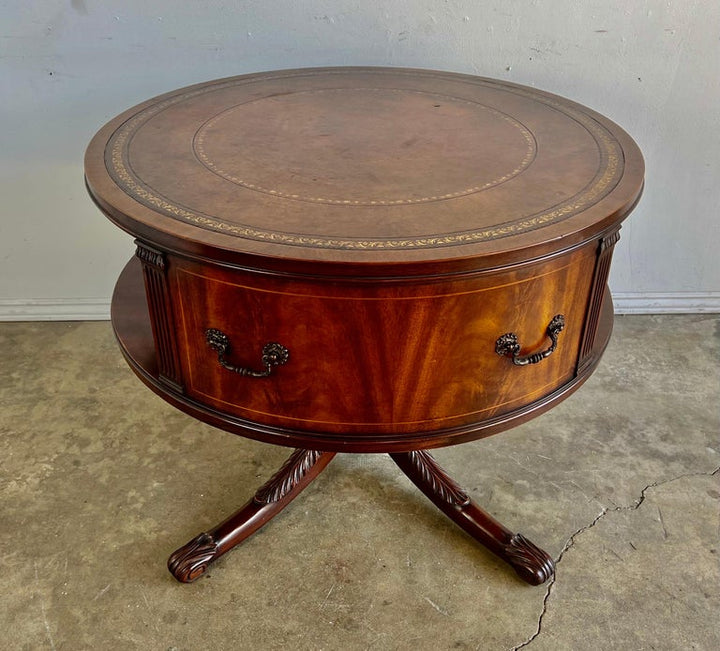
(364, 260)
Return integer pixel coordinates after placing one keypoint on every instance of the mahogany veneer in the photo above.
(364, 260)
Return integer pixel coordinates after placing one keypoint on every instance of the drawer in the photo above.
(378, 357)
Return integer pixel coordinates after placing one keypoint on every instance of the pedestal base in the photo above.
(191, 561)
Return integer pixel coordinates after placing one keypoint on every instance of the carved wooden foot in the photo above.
(530, 562)
(191, 561)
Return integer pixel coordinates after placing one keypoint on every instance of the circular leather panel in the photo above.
(378, 165)
(380, 160)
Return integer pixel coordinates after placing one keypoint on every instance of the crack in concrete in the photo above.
(571, 541)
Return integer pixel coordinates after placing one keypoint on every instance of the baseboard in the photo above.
(667, 303)
(54, 309)
(98, 309)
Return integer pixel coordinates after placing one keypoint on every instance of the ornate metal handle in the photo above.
(273, 354)
(507, 345)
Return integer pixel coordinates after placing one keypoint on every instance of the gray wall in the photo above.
(66, 67)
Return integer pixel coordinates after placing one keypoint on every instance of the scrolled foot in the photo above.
(531, 563)
(191, 561)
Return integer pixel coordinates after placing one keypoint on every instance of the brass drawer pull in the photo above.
(507, 345)
(273, 354)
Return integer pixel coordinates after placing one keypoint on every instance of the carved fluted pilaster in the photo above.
(597, 294)
(162, 320)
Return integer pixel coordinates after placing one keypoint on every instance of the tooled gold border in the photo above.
(610, 151)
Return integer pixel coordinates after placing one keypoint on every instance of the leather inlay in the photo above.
(456, 184)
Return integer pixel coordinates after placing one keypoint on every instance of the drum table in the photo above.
(364, 260)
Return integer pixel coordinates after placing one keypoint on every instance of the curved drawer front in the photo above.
(378, 357)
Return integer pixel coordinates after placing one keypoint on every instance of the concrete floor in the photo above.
(100, 480)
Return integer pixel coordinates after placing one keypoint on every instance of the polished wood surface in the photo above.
(398, 358)
(131, 322)
(364, 260)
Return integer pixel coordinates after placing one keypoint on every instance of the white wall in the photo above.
(67, 66)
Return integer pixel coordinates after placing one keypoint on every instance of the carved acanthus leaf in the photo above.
(150, 255)
(285, 479)
(440, 482)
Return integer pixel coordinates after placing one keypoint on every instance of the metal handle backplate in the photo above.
(273, 354)
(507, 345)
